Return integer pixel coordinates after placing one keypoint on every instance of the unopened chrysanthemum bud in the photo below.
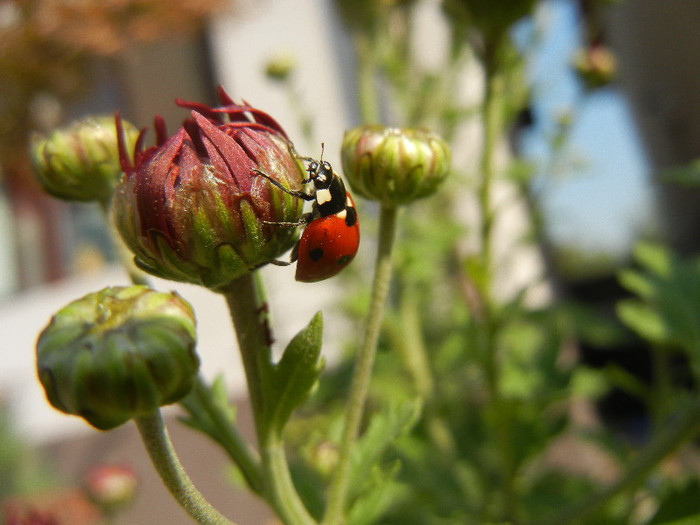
(392, 165)
(280, 67)
(596, 65)
(81, 161)
(118, 353)
(111, 487)
(195, 208)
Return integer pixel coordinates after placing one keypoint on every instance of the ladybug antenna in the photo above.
(323, 146)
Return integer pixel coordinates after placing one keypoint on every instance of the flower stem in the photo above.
(248, 308)
(160, 449)
(281, 493)
(363, 367)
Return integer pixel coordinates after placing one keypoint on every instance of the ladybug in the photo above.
(332, 233)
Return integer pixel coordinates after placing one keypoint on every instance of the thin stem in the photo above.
(248, 308)
(363, 368)
(492, 131)
(682, 429)
(160, 449)
(282, 493)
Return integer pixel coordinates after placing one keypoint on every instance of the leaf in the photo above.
(383, 429)
(644, 320)
(667, 310)
(198, 413)
(288, 383)
(384, 493)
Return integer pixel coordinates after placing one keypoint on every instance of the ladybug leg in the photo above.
(294, 193)
(292, 257)
(305, 219)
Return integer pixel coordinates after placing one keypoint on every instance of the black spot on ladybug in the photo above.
(350, 217)
(344, 259)
(316, 254)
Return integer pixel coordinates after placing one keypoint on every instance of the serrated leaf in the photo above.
(198, 414)
(288, 383)
(383, 429)
(384, 493)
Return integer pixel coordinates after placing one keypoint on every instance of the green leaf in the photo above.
(384, 493)
(644, 320)
(384, 428)
(667, 310)
(199, 414)
(288, 383)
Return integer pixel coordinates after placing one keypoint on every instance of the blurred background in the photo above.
(611, 127)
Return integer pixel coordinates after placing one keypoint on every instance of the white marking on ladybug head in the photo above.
(342, 214)
(323, 196)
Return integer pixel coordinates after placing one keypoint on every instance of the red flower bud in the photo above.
(192, 208)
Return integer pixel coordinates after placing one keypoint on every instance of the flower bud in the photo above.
(280, 67)
(81, 161)
(394, 166)
(596, 65)
(194, 208)
(118, 353)
(111, 487)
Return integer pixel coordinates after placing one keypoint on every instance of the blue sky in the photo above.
(604, 200)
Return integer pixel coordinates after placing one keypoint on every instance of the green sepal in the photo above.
(289, 382)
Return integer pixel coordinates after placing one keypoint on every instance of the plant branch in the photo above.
(363, 367)
(248, 310)
(160, 449)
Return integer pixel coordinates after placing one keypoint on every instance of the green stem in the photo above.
(230, 438)
(492, 132)
(363, 368)
(282, 494)
(160, 449)
(685, 427)
(248, 310)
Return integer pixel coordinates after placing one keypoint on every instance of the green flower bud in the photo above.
(394, 166)
(118, 353)
(280, 67)
(596, 65)
(81, 162)
(194, 208)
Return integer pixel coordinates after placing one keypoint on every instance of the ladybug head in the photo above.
(321, 173)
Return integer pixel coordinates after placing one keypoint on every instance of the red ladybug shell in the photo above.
(327, 245)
